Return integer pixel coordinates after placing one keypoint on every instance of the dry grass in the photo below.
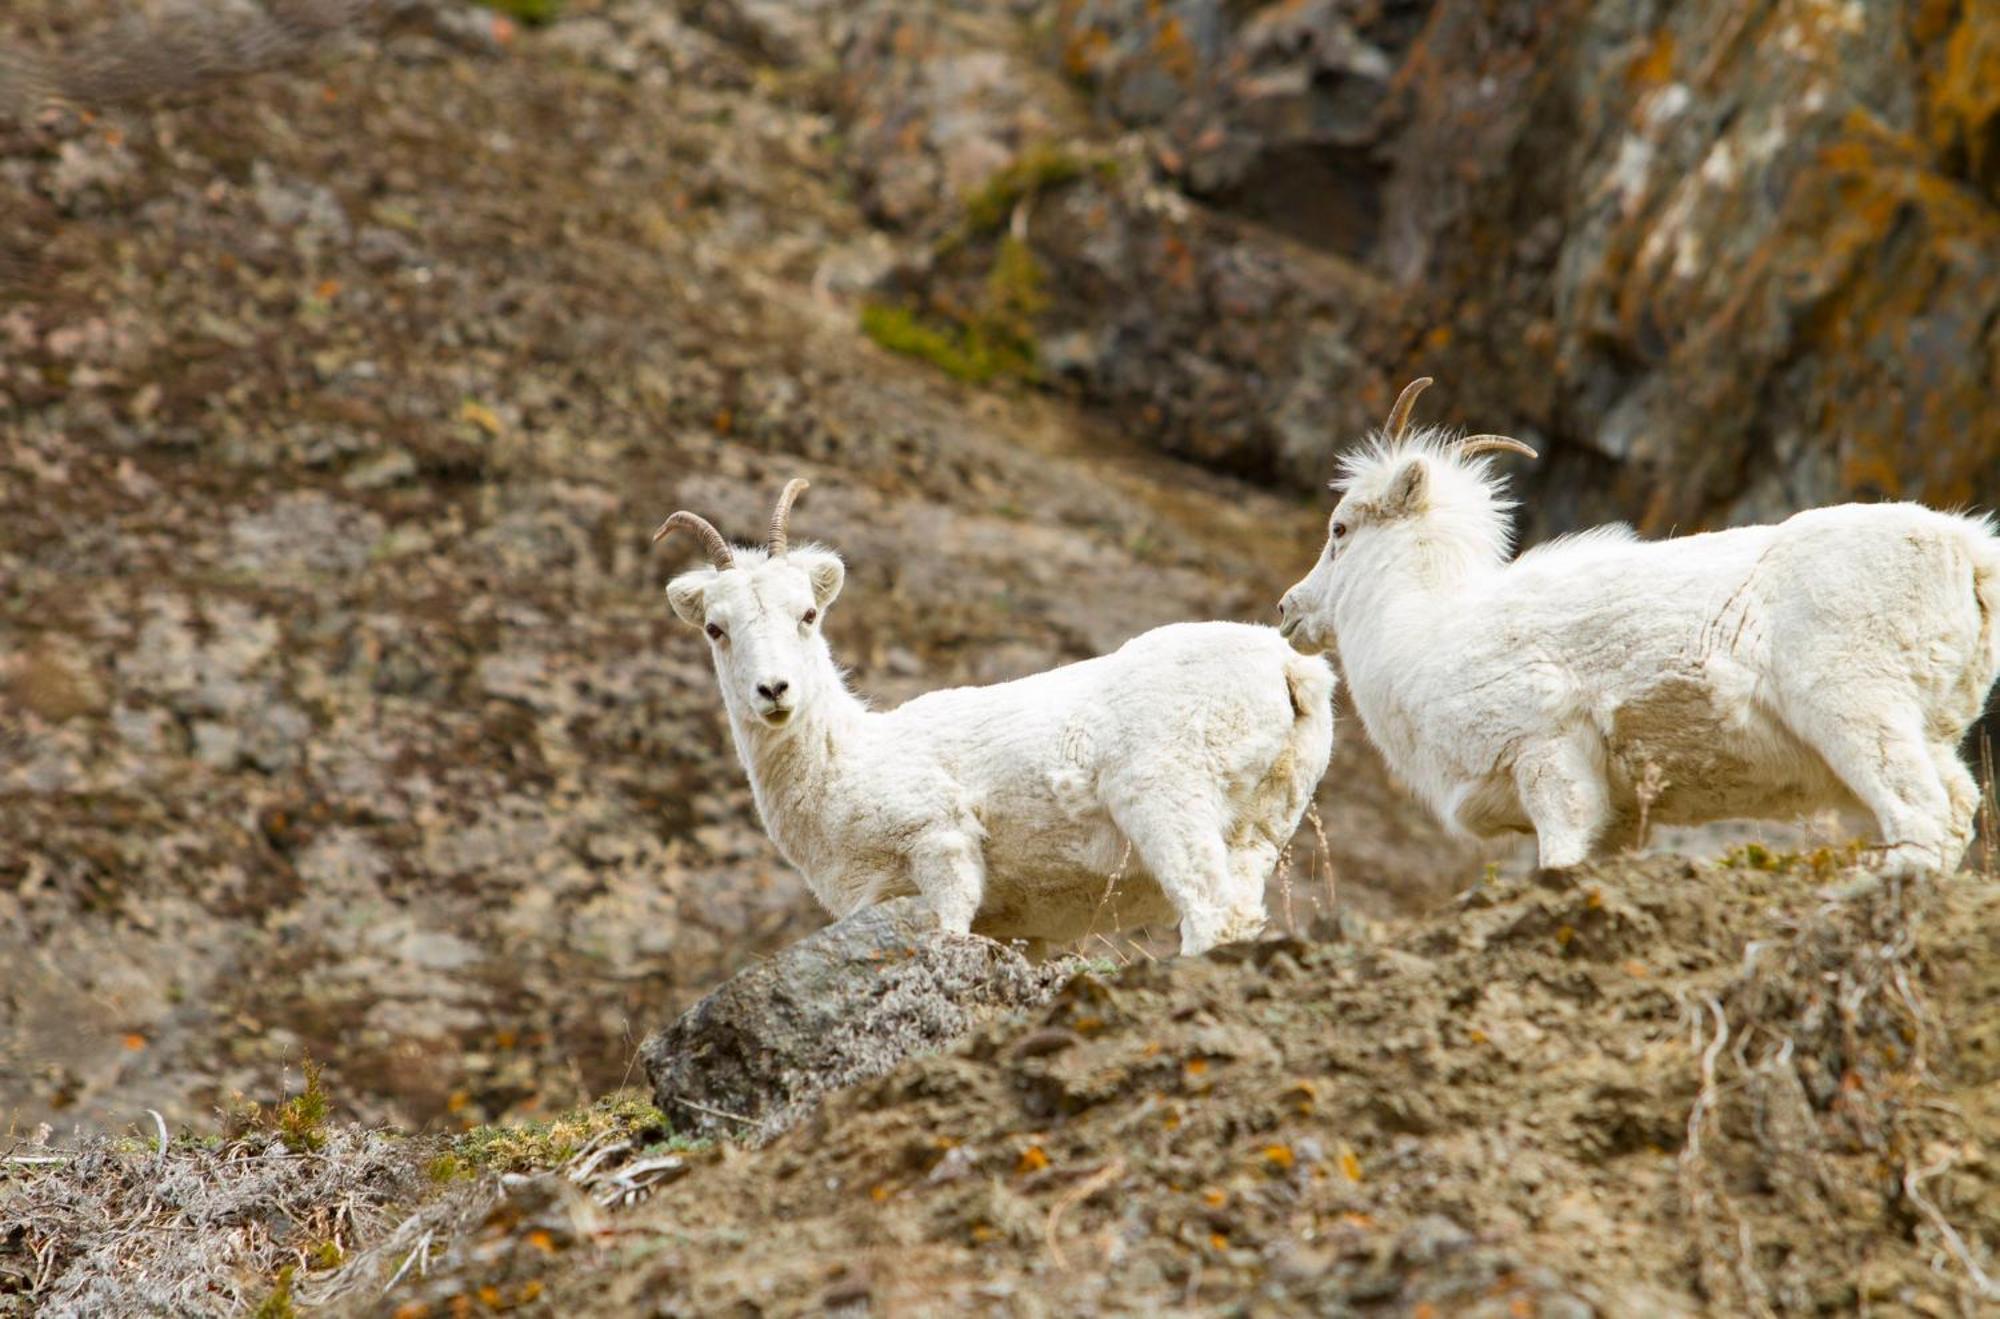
(113, 1227)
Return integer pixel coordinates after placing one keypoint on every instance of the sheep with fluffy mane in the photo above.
(1833, 660)
(1154, 785)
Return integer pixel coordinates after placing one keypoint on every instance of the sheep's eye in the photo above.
(1339, 530)
(714, 632)
(810, 617)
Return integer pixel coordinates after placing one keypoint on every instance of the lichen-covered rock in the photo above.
(847, 1003)
(1763, 273)
(1721, 262)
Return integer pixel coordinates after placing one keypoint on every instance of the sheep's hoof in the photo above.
(1560, 878)
(1908, 861)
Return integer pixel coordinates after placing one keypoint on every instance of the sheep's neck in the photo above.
(793, 769)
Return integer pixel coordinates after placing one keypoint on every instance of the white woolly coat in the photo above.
(1831, 660)
(1218, 725)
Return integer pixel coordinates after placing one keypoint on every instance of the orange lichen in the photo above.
(1964, 98)
(1176, 51)
(1653, 66)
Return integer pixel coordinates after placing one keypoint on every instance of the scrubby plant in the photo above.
(301, 1120)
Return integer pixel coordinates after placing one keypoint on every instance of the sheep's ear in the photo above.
(824, 570)
(688, 594)
(1409, 491)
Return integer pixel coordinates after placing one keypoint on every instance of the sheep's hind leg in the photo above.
(1250, 867)
(950, 871)
(1562, 790)
(1180, 844)
(1962, 791)
(1884, 759)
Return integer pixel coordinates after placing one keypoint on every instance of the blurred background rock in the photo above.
(351, 349)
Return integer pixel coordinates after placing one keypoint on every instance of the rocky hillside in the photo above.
(343, 717)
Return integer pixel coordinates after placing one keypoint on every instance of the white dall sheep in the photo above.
(1835, 659)
(1177, 766)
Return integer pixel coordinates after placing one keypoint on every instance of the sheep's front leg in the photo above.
(950, 871)
(1562, 789)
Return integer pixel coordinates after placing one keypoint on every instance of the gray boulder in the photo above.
(845, 1004)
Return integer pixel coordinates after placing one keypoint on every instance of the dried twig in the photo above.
(1088, 1187)
(1651, 785)
(422, 1248)
(1110, 885)
(161, 1123)
(713, 1112)
(1913, 1181)
(1319, 832)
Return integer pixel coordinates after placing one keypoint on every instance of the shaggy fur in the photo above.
(1832, 660)
(1152, 785)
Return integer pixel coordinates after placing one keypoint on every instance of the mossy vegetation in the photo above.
(994, 339)
(1034, 171)
(1820, 862)
(949, 348)
(278, 1304)
(534, 1146)
(534, 13)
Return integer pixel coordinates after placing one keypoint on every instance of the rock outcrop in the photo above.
(848, 1003)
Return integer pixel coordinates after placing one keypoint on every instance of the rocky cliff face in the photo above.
(1722, 260)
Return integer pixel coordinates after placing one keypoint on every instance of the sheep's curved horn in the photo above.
(1474, 444)
(1399, 416)
(782, 514)
(718, 549)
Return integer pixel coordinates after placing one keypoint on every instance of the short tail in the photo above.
(1309, 681)
(1986, 591)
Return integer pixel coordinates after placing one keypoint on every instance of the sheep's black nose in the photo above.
(771, 691)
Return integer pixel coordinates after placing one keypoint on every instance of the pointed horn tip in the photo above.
(1477, 444)
(781, 514)
(681, 521)
(713, 542)
(1406, 402)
